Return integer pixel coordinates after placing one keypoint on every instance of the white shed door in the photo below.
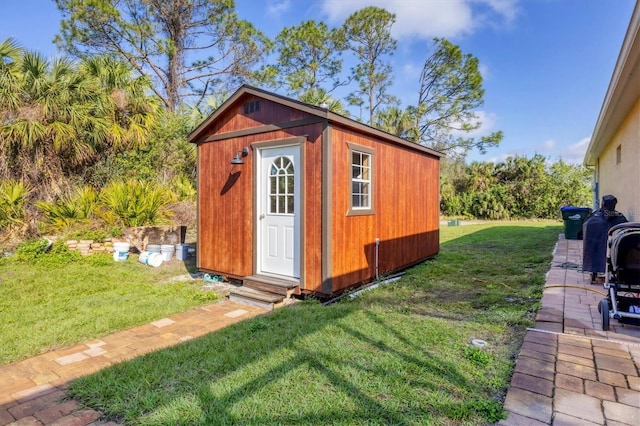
(279, 211)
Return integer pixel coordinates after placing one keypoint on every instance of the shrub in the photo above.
(42, 251)
(72, 209)
(134, 203)
(31, 250)
(60, 255)
(182, 186)
(13, 195)
(518, 188)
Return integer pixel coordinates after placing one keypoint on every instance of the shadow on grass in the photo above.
(338, 367)
(362, 361)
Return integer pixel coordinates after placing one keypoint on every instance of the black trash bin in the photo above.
(594, 249)
(573, 218)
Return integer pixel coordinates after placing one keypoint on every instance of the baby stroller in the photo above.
(622, 279)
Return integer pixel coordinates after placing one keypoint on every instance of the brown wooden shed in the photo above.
(293, 198)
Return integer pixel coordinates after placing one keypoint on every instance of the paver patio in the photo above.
(569, 371)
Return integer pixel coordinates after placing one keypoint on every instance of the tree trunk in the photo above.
(175, 24)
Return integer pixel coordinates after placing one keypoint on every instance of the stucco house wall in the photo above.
(618, 167)
(614, 149)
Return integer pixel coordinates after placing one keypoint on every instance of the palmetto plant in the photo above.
(57, 120)
(182, 187)
(398, 122)
(320, 96)
(10, 53)
(129, 111)
(74, 208)
(135, 203)
(58, 117)
(13, 195)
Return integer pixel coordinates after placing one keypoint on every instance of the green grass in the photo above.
(60, 299)
(399, 354)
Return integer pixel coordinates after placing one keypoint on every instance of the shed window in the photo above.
(281, 186)
(361, 192)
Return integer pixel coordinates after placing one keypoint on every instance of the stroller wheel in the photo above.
(603, 308)
(594, 276)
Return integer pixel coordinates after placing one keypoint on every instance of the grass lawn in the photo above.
(399, 354)
(59, 299)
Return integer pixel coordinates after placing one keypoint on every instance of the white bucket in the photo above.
(153, 248)
(150, 259)
(167, 251)
(120, 251)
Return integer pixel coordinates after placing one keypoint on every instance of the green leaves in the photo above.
(13, 196)
(319, 97)
(309, 56)
(398, 122)
(156, 37)
(30, 251)
(450, 93)
(59, 117)
(519, 187)
(69, 210)
(134, 203)
(368, 34)
(119, 204)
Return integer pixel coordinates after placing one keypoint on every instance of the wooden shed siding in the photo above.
(338, 247)
(225, 210)
(406, 191)
(225, 220)
(312, 214)
(235, 119)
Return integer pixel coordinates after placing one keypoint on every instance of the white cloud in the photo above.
(488, 120)
(574, 154)
(487, 125)
(571, 154)
(412, 70)
(276, 8)
(484, 71)
(506, 8)
(547, 146)
(428, 19)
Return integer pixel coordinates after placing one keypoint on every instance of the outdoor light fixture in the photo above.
(239, 155)
(323, 105)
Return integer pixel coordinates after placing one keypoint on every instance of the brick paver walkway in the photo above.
(32, 390)
(569, 371)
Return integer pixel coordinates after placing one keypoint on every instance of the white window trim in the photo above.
(369, 210)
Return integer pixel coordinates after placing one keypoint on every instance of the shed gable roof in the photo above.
(331, 117)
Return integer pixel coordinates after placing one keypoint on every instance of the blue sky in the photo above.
(546, 63)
